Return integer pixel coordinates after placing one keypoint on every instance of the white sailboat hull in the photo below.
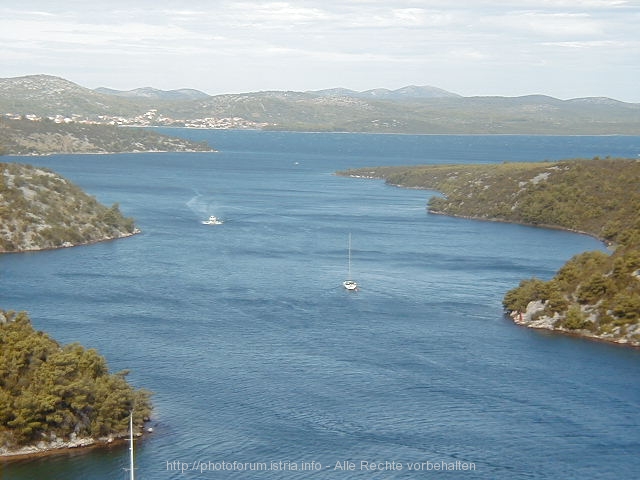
(350, 285)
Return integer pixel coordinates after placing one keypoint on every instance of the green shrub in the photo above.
(575, 319)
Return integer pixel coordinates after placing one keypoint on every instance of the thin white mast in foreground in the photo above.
(131, 469)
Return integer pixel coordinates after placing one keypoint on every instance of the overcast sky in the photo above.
(562, 48)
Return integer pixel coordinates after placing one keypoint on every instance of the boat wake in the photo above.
(203, 208)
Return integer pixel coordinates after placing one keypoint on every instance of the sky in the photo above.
(562, 48)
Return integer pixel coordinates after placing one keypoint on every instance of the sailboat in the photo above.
(350, 284)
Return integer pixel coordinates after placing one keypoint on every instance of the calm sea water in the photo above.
(257, 354)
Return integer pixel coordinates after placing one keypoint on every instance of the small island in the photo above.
(56, 397)
(41, 210)
(594, 295)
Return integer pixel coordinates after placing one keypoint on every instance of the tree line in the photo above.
(49, 391)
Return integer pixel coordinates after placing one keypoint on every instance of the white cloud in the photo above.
(368, 43)
(597, 4)
(549, 24)
(590, 44)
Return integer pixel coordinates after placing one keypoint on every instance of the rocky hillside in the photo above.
(313, 111)
(40, 210)
(594, 295)
(407, 110)
(48, 95)
(150, 92)
(43, 137)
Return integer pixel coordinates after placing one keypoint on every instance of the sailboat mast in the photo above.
(131, 446)
(349, 276)
(348, 283)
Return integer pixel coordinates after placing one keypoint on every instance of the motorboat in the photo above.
(212, 221)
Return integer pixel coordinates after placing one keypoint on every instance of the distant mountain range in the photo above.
(150, 92)
(410, 92)
(412, 109)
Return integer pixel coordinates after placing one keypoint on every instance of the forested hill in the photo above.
(40, 209)
(594, 294)
(54, 396)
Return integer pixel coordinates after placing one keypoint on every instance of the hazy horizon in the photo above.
(563, 49)
(149, 86)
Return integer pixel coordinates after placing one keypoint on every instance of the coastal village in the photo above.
(150, 118)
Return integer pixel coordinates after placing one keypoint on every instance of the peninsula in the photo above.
(41, 210)
(43, 136)
(56, 397)
(594, 295)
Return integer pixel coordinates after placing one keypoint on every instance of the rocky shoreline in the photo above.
(70, 244)
(123, 152)
(532, 317)
(524, 224)
(43, 448)
(59, 446)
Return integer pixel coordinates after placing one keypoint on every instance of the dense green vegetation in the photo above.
(39, 209)
(27, 137)
(49, 391)
(593, 292)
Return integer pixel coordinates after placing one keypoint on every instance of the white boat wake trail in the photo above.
(200, 205)
(204, 206)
